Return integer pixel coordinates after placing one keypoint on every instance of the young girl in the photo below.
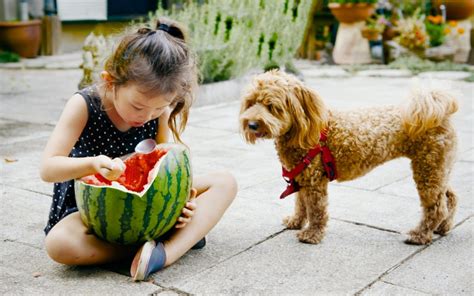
(147, 89)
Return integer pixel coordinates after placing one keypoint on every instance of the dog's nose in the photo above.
(253, 125)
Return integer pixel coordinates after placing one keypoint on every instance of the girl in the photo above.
(147, 89)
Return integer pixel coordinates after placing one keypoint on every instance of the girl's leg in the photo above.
(69, 243)
(215, 192)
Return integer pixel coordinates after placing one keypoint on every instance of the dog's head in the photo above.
(279, 105)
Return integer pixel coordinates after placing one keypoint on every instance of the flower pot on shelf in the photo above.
(351, 13)
(456, 9)
(22, 37)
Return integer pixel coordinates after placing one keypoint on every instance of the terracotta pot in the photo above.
(23, 37)
(351, 13)
(456, 9)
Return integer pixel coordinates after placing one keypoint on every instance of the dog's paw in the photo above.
(292, 222)
(310, 236)
(444, 228)
(416, 237)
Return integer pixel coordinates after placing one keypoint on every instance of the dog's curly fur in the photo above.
(280, 107)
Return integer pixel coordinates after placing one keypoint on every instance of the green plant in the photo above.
(435, 27)
(412, 31)
(231, 37)
(8, 57)
(417, 65)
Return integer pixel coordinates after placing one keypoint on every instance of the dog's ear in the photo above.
(309, 117)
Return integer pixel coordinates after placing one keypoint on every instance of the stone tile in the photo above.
(245, 224)
(208, 113)
(26, 262)
(26, 216)
(14, 131)
(449, 75)
(326, 72)
(348, 259)
(24, 171)
(444, 268)
(468, 156)
(386, 289)
(391, 212)
(462, 181)
(389, 73)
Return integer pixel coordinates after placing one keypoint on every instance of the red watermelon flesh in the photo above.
(135, 176)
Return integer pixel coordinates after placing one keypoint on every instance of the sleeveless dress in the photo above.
(99, 137)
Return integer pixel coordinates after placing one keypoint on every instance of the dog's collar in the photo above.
(327, 160)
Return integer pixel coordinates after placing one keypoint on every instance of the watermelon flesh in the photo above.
(136, 174)
(144, 203)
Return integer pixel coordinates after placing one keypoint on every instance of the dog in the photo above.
(278, 106)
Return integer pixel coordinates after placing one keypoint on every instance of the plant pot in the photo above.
(370, 34)
(23, 37)
(456, 9)
(351, 13)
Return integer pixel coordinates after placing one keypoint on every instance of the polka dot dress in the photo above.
(99, 137)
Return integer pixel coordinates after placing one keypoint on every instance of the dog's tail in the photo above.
(427, 109)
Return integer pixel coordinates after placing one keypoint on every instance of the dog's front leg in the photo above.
(298, 219)
(316, 202)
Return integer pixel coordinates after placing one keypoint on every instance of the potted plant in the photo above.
(455, 9)
(22, 35)
(374, 27)
(352, 11)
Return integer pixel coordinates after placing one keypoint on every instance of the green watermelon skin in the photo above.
(127, 218)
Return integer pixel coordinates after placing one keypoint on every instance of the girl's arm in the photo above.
(163, 134)
(56, 166)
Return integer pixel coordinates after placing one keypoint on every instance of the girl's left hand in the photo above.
(188, 210)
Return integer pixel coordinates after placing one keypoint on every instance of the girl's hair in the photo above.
(158, 61)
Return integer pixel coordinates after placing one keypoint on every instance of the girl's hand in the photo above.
(188, 210)
(111, 169)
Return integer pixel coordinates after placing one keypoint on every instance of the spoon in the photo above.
(145, 146)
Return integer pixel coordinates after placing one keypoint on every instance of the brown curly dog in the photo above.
(280, 107)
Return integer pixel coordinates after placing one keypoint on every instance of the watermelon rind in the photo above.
(118, 215)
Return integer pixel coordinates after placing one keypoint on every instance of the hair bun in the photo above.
(170, 29)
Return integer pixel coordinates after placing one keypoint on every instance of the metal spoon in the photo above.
(145, 146)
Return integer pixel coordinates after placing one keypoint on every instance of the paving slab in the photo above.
(332, 72)
(23, 169)
(344, 263)
(25, 218)
(387, 289)
(444, 268)
(27, 270)
(388, 73)
(451, 75)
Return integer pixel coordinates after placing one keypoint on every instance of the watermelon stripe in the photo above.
(101, 213)
(146, 216)
(167, 197)
(126, 218)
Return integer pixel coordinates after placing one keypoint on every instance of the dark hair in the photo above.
(159, 61)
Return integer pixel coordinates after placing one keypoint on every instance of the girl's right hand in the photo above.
(111, 169)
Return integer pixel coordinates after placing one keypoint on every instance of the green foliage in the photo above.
(436, 33)
(231, 37)
(417, 65)
(9, 57)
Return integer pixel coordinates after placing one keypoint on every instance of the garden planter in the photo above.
(456, 9)
(351, 13)
(22, 37)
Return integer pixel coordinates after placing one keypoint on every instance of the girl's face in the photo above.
(136, 108)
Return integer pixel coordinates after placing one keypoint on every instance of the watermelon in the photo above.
(144, 202)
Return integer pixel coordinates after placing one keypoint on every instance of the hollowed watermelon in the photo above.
(144, 202)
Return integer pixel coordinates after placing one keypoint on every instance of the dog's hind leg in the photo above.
(431, 180)
(298, 219)
(447, 224)
(316, 203)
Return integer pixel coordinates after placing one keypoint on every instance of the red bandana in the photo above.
(328, 164)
